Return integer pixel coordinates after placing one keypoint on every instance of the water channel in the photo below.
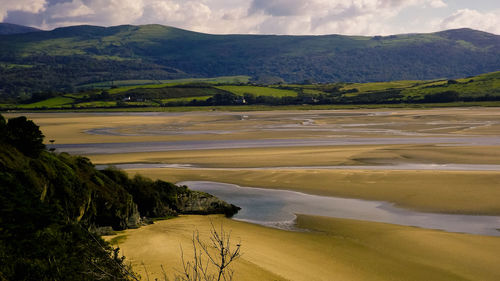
(277, 208)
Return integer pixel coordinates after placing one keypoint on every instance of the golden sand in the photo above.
(334, 249)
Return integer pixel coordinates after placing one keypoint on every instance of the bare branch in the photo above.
(218, 254)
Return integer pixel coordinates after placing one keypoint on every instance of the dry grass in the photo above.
(336, 249)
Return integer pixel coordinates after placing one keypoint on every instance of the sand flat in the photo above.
(132, 127)
(335, 249)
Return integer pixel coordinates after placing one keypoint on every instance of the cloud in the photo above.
(332, 16)
(437, 3)
(363, 17)
(489, 21)
(33, 6)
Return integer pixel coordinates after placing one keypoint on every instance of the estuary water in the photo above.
(106, 148)
(277, 208)
(394, 167)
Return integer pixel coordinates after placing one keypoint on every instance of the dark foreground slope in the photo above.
(66, 57)
(51, 206)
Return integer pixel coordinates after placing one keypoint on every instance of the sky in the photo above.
(293, 17)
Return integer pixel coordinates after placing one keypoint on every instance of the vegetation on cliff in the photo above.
(51, 205)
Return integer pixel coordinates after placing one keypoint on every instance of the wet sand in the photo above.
(140, 127)
(330, 249)
(201, 137)
(335, 249)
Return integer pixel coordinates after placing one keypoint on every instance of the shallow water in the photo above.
(277, 208)
(106, 148)
(396, 167)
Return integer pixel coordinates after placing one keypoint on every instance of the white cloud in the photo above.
(489, 21)
(70, 10)
(333, 16)
(437, 3)
(32, 6)
(363, 17)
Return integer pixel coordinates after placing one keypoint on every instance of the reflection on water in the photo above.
(105, 148)
(395, 167)
(277, 208)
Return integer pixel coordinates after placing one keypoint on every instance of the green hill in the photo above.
(9, 28)
(65, 58)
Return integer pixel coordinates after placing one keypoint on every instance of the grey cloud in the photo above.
(25, 18)
(54, 2)
(278, 7)
(364, 17)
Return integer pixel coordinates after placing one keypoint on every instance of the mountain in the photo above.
(9, 28)
(67, 57)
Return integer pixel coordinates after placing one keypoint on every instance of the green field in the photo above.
(184, 99)
(131, 84)
(485, 84)
(50, 103)
(96, 104)
(481, 90)
(258, 91)
(367, 87)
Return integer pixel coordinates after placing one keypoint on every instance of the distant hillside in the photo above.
(67, 57)
(9, 28)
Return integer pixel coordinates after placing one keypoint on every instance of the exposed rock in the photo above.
(195, 202)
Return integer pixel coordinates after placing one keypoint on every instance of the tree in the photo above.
(25, 136)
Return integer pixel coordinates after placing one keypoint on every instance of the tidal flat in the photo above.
(328, 249)
(368, 143)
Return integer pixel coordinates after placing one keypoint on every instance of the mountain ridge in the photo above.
(66, 57)
(10, 28)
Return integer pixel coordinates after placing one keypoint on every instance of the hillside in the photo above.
(66, 58)
(9, 28)
(53, 207)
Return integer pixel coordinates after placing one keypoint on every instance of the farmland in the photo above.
(192, 94)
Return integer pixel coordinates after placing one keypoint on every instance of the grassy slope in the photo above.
(257, 91)
(488, 83)
(154, 83)
(50, 103)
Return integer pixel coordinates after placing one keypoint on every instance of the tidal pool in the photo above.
(277, 208)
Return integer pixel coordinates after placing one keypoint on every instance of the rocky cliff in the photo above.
(80, 193)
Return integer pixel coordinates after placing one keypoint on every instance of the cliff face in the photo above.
(161, 199)
(104, 198)
(76, 191)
